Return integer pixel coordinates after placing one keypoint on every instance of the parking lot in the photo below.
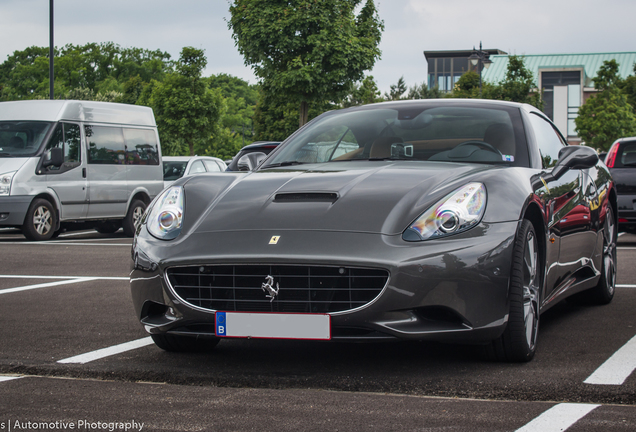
(72, 352)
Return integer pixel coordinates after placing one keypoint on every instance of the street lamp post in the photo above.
(51, 51)
(483, 59)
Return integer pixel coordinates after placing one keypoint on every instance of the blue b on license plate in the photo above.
(273, 325)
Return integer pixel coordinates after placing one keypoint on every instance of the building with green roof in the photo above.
(564, 79)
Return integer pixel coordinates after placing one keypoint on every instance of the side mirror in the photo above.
(250, 161)
(573, 157)
(53, 157)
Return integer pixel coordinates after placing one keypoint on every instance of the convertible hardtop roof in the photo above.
(74, 110)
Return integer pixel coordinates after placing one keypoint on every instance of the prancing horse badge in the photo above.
(274, 240)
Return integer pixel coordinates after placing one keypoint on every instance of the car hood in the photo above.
(371, 197)
(8, 164)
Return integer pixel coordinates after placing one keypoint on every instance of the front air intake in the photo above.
(301, 289)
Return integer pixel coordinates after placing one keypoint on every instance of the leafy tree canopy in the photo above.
(606, 115)
(518, 85)
(365, 92)
(422, 91)
(628, 86)
(396, 90)
(98, 67)
(307, 51)
(187, 110)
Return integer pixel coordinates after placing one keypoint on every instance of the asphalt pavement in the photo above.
(74, 357)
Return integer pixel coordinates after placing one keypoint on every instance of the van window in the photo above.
(141, 147)
(105, 145)
(21, 138)
(67, 137)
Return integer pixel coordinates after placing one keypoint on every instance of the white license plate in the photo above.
(273, 325)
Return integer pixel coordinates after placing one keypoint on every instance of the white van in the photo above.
(65, 161)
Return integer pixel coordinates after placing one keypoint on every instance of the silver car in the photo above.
(175, 167)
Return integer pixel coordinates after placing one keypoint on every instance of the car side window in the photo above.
(105, 145)
(197, 167)
(211, 166)
(67, 137)
(141, 147)
(549, 141)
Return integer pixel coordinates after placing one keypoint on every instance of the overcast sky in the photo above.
(411, 27)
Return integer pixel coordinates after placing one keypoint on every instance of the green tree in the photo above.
(606, 115)
(25, 75)
(467, 86)
(101, 68)
(364, 93)
(236, 125)
(422, 91)
(187, 111)
(306, 52)
(396, 90)
(518, 85)
(628, 86)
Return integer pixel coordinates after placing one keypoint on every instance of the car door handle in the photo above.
(84, 172)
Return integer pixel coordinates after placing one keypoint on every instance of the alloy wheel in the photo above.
(42, 220)
(531, 290)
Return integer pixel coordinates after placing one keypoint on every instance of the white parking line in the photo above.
(45, 285)
(8, 378)
(61, 243)
(63, 277)
(617, 368)
(106, 352)
(66, 280)
(625, 286)
(77, 233)
(558, 418)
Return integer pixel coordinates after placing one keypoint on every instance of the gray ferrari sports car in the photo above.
(448, 220)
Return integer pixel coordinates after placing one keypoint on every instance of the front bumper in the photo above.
(452, 289)
(13, 210)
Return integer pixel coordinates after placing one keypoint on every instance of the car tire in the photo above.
(178, 343)
(603, 292)
(40, 220)
(107, 227)
(518, 342)
(135, 212)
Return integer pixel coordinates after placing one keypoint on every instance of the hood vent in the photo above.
(306, 197)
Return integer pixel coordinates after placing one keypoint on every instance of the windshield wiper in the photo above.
(286, 163)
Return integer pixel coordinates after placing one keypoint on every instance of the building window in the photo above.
(562, 98)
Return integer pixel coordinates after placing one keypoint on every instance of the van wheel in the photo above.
(135, 212)
(40, 221)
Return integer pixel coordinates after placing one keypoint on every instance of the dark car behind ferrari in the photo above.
(621, 161)
(447, 220)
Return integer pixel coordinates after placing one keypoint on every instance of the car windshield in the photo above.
(173, 170)
(451, 132)
(628, 157)
(21, 138)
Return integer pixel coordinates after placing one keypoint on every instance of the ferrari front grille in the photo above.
(275, 288)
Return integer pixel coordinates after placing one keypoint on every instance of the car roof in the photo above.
(74, 110)
(188, 158)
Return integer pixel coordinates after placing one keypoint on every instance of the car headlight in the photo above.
(458, 211)
(165, 218)
(5, 183)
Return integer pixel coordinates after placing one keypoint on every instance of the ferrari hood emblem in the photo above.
(268, 287)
